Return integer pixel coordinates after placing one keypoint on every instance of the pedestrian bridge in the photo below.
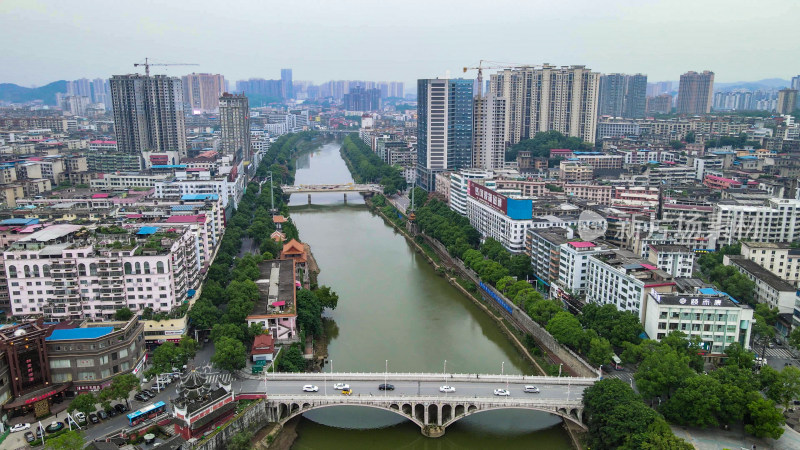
(417, 398)
(319, 188)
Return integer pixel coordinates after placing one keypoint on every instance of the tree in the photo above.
(241, 441)
(187, 349)
(764, 418)
(504, 283)
(600, 399)
(696, 403)
(738, 356)
(309, 313)
(566, 329)
(69, 440)
(123, 314)
(121, 388)
(661, 372)
(625, 421)
(786, 386)
(204, 314)
(84, 403)
(291, 359)
(600, 351)
(229, 354)
(327, 298)
(229, 330)
(770, 315)
(794, 338)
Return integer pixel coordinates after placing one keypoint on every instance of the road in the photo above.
(410, 388)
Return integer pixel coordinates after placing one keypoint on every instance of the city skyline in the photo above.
(653, 39)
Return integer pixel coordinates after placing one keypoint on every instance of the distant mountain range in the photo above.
(767, 83)
(10, 92)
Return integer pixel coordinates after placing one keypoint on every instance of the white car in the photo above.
(341, 386)
(310, 388)
(502, 392)
(20, 427)
(531, 389)
(79, 416)
(446, 389)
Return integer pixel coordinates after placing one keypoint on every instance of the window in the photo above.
(105, 373)
(60, 363)
(85, 363)
(62, 377)
(128, 268)
(160, 267)
(147, 267)
(93, 269)
(46, 270)
(123, 353)
(86, 376)
(104, 360)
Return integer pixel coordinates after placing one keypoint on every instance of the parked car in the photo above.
(446, 389)
(112, 412)
(149, 392)
(120, 408)
(29, 437)
(778, 341)
(341, 386)
(140, 397)
(102, 415)
(20, 427)
(386, 387)
(310, 388)
(93, 418)
(502, 392)
(80, 417)
(531, 389)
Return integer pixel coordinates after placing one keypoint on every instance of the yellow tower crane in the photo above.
(147, 65)
(494, 65)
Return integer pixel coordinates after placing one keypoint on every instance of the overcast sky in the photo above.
(47, 40)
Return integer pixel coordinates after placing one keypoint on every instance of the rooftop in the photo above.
(79, 333)
(275, 285)
(696, 300)
(761, 273)
(671, 249)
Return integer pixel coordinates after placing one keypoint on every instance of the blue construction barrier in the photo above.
(496, 298)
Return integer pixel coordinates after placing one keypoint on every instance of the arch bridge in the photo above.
(363, 189)
(417, 397)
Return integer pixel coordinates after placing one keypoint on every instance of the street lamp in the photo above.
(502, 367)
(386, 378)
(559, 369)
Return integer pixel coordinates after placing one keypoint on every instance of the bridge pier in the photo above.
(309, 199)
(345, 198)
(433, 431)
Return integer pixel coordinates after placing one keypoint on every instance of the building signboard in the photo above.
(488, 196)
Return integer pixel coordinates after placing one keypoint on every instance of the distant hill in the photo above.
(17, 94)
(767, 83)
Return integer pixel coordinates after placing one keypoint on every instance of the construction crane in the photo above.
(496, 65)
(147, 65)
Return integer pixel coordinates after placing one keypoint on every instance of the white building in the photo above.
(574, 266)
(769, 288)
(718, 321)
(780, 258)
(459, 187)
(499, 217)
(775, 221)
(622, 279)
(676, 260)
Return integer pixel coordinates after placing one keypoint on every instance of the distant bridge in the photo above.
(320, 188)
(417, 397)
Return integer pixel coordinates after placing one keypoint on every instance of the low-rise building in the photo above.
(91, 355)
(770, 289)
(544, 248)
(676, 260)
(780, 258)
(263, 348)
(571, 171)
(716, 319)
(201, 405)
(276, 307)
(496, 216)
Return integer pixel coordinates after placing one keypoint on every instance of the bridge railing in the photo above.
(450, 377)
(483, 400)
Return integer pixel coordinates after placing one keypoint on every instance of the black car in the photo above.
(102, 415)
(93, 418)
(140, 397)
(112, 412)
(120, 408)
(149, 392)
(386, 387)
(29, 437)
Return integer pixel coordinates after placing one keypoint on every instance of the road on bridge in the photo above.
(413, 388)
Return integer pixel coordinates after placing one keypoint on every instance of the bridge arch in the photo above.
(292, 413)
(571, 414)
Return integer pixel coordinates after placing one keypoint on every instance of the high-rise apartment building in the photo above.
(396, 89)
(100, 92)
(80, 88)
(695, 92)
(148, 114)
(661, 104)
(444, 127)
(658, 88)
(787, 101)
(489, 143)
(622, 95)
(548, 98)
(234, 121)
(201, 91)
(360, 99)
(287, 88)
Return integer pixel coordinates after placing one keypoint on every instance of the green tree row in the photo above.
(541, 144)
(368, 167)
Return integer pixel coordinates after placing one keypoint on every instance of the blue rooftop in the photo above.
(147, 230)
(200, 197)
(19, 222)
(79, 333)
(712, 291)
(183, 207)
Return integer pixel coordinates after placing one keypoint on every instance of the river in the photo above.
(395, 310)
